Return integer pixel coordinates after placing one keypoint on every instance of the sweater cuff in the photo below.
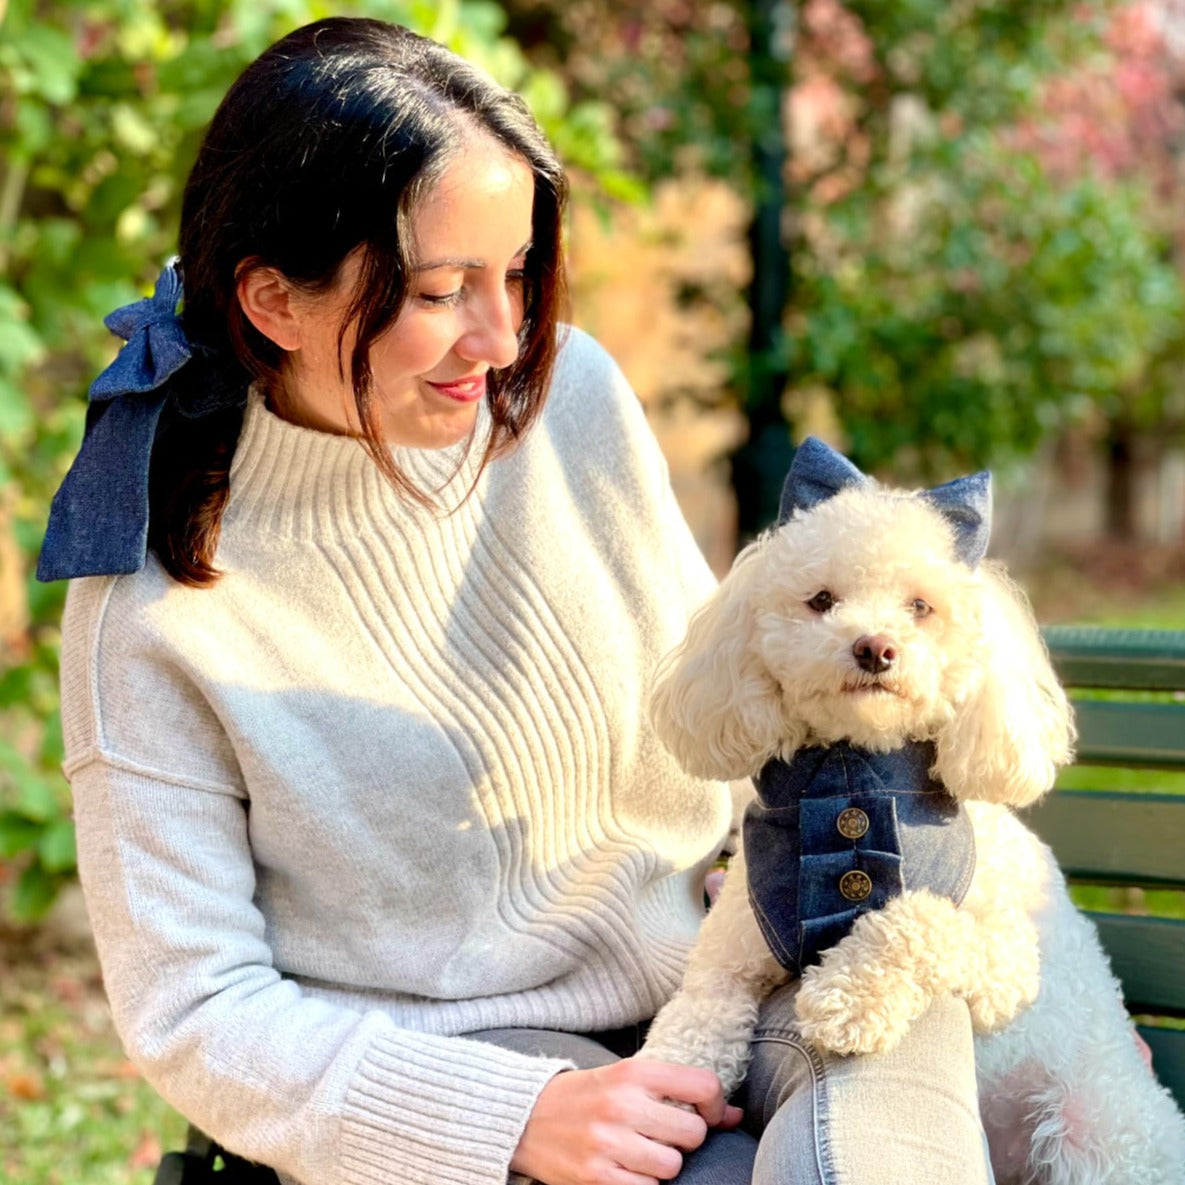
(428, 1110)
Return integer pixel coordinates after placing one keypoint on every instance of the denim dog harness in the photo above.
(839, 831)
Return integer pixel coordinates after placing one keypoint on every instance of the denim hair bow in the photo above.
(818, 472)
(98, 520)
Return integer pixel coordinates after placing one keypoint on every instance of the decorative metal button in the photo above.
(852, 822)
(855, 885)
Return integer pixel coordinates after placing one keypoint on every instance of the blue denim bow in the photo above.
(156, 343)
(98, 520)
(818, 472)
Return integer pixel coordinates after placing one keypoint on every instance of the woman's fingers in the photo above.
(649, 1157)
(684, 1084)
(671, 1124)
(732, 1117)
(613, 1126)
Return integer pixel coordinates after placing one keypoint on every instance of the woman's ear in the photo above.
(266, 299)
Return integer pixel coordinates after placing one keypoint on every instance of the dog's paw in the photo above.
(1008, 974)
(728, 1060)
(710, 1032)
(843, 1015)
(995, 1006)
(840, 1032)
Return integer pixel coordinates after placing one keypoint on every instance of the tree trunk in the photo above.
(1121, 522)
(759, 466)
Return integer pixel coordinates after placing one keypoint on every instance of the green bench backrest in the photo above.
(1106, 837)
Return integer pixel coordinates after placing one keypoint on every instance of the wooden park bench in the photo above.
(1122, 825)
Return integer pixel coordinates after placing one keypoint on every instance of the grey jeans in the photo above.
(909, 1117)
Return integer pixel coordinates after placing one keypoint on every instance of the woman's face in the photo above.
(461, 318)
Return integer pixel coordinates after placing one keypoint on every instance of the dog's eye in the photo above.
(919, 608)
(821, 601)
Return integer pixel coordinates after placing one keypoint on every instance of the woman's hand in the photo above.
(614, 1126)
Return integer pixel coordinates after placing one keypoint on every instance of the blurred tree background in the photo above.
(974, 243)
(944, 235)
(957, 221)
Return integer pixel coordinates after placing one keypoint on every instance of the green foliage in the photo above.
(959, 319)
(953, 300)
(678, 75)
(984, 60)
(102, 107)
(956, 301)
(36, 831)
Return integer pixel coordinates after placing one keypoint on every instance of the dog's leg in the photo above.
(883, 975)
(709, 1021)
(1005, 968)
(1065, 1091)
(1012, 874)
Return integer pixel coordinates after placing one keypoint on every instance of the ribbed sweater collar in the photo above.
(296, 482)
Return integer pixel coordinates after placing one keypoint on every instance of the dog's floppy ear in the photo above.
(1006, 742)
(715, 704)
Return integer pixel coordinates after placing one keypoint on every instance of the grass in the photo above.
(74, 1111)
(1164, 610)
(1137, 586)
(1100, 777)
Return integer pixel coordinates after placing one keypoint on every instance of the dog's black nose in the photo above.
(874, 653)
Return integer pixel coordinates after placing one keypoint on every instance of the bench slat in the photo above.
(1115, 838)
(1136, 838)
(1092, 656)
(1146, 735)
(1168, 1056)
(1147, 954)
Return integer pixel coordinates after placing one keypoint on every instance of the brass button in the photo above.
(852, 822)
(855, 885)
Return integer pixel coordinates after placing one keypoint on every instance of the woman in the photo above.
(384, 865)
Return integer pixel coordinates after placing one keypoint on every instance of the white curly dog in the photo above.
(864, 624)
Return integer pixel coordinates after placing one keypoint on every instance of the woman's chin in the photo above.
(437, 431)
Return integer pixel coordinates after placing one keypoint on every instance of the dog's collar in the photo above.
(847, 768)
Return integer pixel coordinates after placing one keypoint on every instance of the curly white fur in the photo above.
(1066, 1098)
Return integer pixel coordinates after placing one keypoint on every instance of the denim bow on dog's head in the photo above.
(98, 521)
(818, 472)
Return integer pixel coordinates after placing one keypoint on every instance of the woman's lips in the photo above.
(462, 390)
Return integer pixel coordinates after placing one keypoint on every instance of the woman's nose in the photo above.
(493, 336)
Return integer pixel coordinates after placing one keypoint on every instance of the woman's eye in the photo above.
(920, 608)
(441, 299)
(821, 601)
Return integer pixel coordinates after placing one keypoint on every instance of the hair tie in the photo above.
(98, 520)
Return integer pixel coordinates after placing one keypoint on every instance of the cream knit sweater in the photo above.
(391, 781)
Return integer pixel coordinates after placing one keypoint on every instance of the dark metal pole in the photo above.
(760, 464)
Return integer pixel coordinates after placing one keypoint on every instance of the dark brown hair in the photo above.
(323, 146)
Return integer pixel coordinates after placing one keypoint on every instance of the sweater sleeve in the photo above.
(325, 1094)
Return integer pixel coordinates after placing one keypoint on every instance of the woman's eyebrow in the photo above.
(462, 264)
